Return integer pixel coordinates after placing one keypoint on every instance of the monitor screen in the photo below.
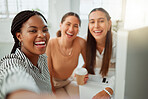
(132, 64)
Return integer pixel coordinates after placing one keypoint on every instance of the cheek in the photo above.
(24, 38)
(90, 27)
(108, 28)
(29, 38)
(63, 29)
(77, 30)
(106, 25)
(48, 36)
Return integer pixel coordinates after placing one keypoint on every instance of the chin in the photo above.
(41, 52)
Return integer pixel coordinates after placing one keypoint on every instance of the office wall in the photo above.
(57, 8)
(6, 39)
(5, 35)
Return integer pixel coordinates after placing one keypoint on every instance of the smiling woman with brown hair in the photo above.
(63, 54)
(101, 50)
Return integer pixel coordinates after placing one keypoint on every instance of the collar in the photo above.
(22, 56)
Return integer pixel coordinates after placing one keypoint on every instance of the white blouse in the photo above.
(110, 78)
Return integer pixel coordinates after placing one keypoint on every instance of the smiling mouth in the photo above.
(69, 34)
(40, 44)
(98, 31)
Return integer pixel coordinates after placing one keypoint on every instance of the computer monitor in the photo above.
(132, 64)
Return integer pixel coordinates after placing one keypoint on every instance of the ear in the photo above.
(60, 26)
(109, 24)
(19, 36)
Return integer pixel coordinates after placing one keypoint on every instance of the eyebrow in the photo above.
(98, 18)
(36, 27)
(71, 23)
(45, 26)
(68, 22)
(32, 27)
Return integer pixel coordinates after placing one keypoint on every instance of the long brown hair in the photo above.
(64, 18)
(91, 49)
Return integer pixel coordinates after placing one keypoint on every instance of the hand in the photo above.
(101, 95)
(86, 78)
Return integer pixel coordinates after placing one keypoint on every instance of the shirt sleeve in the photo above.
(14, 78)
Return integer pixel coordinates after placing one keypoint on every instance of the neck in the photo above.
(100, 45)
(63, 43)
(32, 57)
(66, 47)
(34, 60)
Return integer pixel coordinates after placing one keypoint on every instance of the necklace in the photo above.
(65, 52)
(70, 52)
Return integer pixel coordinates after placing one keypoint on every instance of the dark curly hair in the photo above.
(17, 23)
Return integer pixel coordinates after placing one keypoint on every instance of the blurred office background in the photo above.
(126, 14)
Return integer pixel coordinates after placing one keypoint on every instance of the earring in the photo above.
(21, 43)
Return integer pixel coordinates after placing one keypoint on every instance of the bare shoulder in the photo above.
(50, 45)
(52, 41)
(81, 41)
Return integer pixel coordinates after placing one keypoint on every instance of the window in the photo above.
(9, 8)
(114, 7)
(136, 14)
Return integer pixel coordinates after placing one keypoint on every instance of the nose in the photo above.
(41, 34)
(71, 28)
(96, 24)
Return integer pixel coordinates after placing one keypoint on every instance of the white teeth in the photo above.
(69, 34)
(97, 31)
(42, 42)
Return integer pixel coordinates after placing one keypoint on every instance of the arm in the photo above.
(83, 50)
(15, 78)
(49, 61)
(103, 94)
(24, 94)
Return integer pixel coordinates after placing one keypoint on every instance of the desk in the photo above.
(91, 88)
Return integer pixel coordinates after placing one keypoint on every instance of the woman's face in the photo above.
(70, 27)
(99, 25)
(34, 36)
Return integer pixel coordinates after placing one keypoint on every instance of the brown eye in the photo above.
(76, 26)
(102, 21)
(33, 31)
(45, 30)
(91, 22)
(68, 24)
